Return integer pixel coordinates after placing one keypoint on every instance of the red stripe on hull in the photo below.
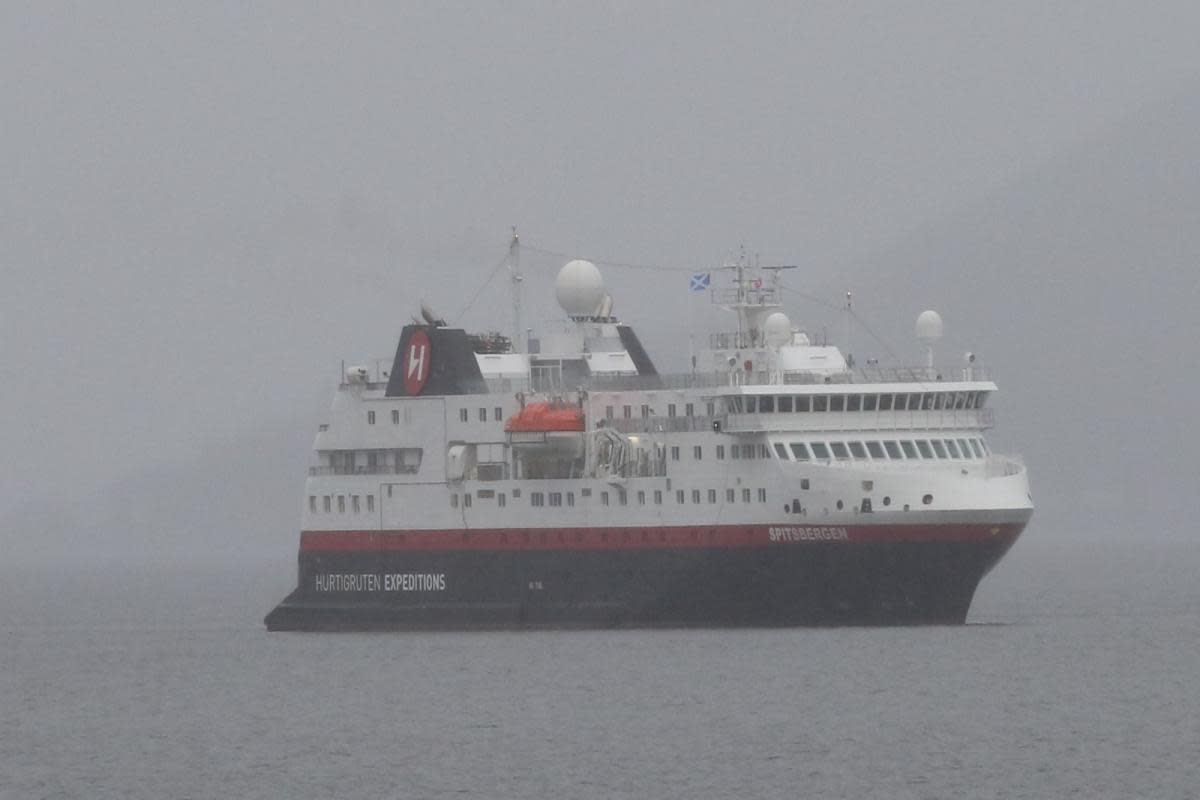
(648, 537)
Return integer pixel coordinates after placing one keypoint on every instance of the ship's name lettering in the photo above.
(821, 533)
(373, 582)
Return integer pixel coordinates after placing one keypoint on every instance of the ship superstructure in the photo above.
(569, 483)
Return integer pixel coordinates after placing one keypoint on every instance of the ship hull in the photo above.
(644, 577)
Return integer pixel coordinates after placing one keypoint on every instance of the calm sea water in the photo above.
(1077, 677)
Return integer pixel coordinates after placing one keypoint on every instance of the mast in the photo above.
(514, 270)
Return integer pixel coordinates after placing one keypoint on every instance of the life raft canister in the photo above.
(545, 417)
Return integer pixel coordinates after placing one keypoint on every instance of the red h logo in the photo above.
(416, 362)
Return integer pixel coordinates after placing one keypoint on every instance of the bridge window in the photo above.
(839, 451)
(952, 448)
(781, 451)
(910, 449)
(939, 401)
(923, 446)
(837, 403)
(857, 450)
(799, 450)
(751, 405)
(802, 402)
(854, 402)
(938, 448)
(964, 448)
(785, 404)
(766, 404)
(893, 450)
(875, 449)
(869, 401)
(885, 402)
(820, 403)
(901, 402)
(820, 451)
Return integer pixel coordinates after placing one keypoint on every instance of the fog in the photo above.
(206, 207)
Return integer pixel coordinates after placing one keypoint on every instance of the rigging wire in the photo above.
(491, 276)
(607, 263)
(854, 315)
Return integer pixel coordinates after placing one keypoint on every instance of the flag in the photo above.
(700, 282)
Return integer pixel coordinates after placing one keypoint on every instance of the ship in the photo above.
(562, 481)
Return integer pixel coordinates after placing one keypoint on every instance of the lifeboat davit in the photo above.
(545, 418)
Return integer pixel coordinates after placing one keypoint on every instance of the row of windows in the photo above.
(538, 499)
(395, 416)
(895, 450)
(922, 401)
(736, 451)
(464, 414)
(327, 502)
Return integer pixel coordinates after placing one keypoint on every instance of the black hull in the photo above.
(816, 584)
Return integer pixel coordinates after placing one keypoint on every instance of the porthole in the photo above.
(839, 505)
(887, 500)
(787, 508)
(927, 499)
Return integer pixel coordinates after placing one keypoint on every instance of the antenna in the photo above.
(849, 319)
(514, 269)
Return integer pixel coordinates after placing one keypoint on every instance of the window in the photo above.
(462, 415)
(923, 446)
(854, 402)
(696, 496)
(762, 495)
(966, 450)
(820, 451)
(952, 448)
(960, 400)
(608, 412)
(658, 497)
(720, 452)
(857, 450)
(604, 498)
(354, 504)
(341, 503)
(670, 409)
(483, 415)
(785, 404)
(781, 451)
(454, 500)
(467, 500)
(901, 402)
(804, 484)
(802, 402)
(926, 402)
(978, 450)
(910, 450)
(938, 448)
(537, 499)
(751, 405)
(497, 413)
(710, 408)
(745, 495)
(697, 452)
(645, 411)
(869, 401)
(312, 503)
(570, 498)
(627, 411)
(501, 500)
(839, 451)
(641, 498)
(730, 494)
(766, 404)
(733, 451)
(875, 449)
(820, 403)
(712, 495)
(395, 416)
(893, 450)
(747, 451)
(689, 410)
(763, 451)
(674, 452)
(622, 498)
(679, 496)
(799, 450)
(370, 417)
(556, 499)
(939, 401)
(837, 403)
(927, 499)
(370, 502)
(885, 402)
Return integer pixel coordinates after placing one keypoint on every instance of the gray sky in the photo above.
(203, 208)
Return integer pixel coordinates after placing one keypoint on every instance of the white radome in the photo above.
(579, 288)
(778, 329)
(929, 326)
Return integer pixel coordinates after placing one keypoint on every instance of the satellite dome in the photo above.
(579, 288)
(777, 329)
(929, 327)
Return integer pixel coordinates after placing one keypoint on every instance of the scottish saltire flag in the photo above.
(700, 282)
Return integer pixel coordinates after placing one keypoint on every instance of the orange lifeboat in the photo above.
(546, 418)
